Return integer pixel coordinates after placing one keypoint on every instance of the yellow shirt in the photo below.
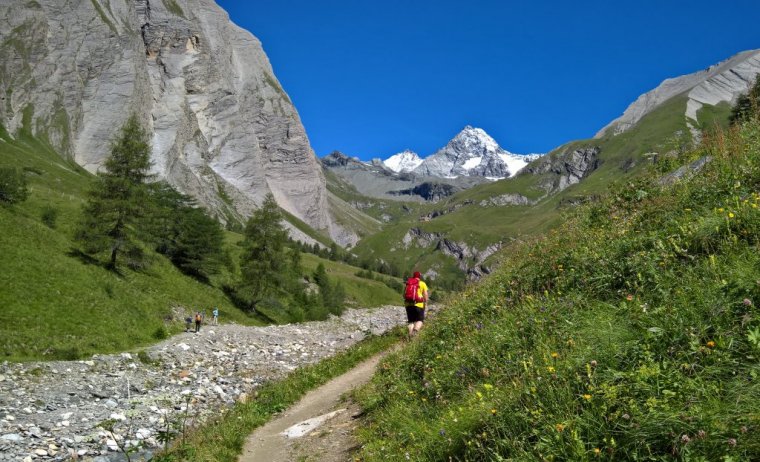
(421, 293)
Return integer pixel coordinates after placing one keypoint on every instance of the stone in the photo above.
(14, 437)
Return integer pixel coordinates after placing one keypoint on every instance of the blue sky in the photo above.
(371, 78)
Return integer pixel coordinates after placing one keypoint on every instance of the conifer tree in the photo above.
(263, 262)
(116, 203)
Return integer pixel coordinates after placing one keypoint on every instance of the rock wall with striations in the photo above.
(722, 82)
(223, 129)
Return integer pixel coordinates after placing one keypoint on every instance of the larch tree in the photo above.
(111, 216)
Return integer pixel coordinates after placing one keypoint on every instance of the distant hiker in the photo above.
(415, 300)
(216, 316)
(188, 323)
(198, 319)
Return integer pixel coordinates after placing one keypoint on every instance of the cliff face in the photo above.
(223, 130)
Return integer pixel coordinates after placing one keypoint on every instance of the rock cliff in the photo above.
(223, 129)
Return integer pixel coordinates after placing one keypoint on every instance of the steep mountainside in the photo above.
(222, 127)
(720, 83)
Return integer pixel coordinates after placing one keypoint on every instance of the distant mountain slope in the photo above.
(472, 157)
(495, 213)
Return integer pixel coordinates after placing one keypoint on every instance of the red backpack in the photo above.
(412, 291)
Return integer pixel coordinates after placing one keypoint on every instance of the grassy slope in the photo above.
(360, 292)
(57, 306)
(630, 333)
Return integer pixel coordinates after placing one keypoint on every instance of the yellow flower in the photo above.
(730, 214)
(550, 369)
(559, 427)
(493, 411)
(711, 344)
(587, 397)
(487, 386)
(555, 355)
(597, 451)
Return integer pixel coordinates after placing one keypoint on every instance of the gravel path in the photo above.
(55, 410)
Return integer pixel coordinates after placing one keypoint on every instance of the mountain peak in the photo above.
(404, 161)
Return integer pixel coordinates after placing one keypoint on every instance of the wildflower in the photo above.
(701, 434)
(559, 427)
(731, 442)
(710, 344)
(629, 297)
(626, 416)
(597, 451)
(747, 302)
(555, 355)
(550, 369)
(493, 411)
(593, 363)
(487, 386)
(685, 438)
(587, 397)
(730, 214)
(442, 432)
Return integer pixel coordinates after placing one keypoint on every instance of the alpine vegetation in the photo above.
(630, 333)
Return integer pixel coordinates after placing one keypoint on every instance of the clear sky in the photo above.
(371, 78)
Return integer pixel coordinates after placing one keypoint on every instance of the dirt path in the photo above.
(317, 428)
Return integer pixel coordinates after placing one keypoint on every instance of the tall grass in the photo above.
(631, 332)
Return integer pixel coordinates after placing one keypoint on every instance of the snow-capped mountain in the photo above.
(473, 153)
(403, 162)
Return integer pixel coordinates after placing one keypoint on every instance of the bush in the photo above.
(13, 187)
(49, 216)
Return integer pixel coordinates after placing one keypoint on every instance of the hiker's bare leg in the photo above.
(410, 327)
(417, 326)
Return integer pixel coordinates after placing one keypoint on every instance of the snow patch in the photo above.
(472, 163)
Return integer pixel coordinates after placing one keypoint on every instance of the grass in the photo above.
(631, 332)
(174, 8)
(223, 439)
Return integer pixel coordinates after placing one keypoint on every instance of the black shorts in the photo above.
(415, 314)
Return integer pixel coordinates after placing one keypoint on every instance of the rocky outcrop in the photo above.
(430, 191)
(723, 82)
(469, 259)
(506, 199)
(221, 125)
(565, 168)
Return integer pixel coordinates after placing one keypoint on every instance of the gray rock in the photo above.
(222, 127)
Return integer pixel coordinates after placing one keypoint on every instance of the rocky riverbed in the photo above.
(57, 410)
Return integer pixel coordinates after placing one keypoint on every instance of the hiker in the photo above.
(188, 323)
(415, 300)
(216, 316)
(198, 320)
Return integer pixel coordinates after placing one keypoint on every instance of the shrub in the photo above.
(13, 187)
(49, 216)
